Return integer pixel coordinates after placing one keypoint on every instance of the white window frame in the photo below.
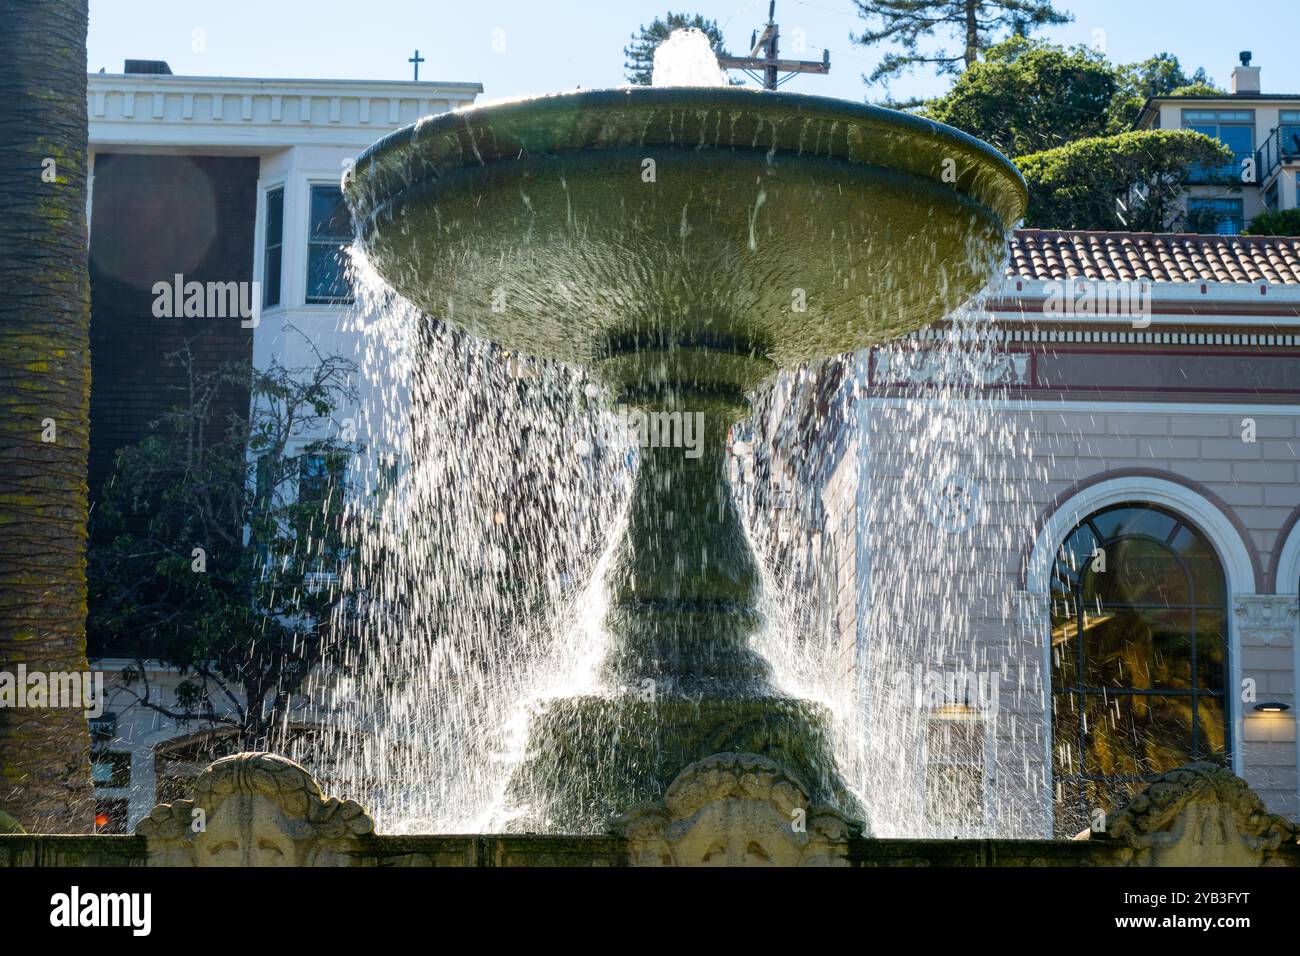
(312, 181)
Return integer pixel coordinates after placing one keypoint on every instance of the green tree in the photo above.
(1159, 75)
(220, 548)
(1026, 96)
(640, 53)
(1197, 89)
(1275, 222)
(1135, 181)
(45, 396)
(974, 24)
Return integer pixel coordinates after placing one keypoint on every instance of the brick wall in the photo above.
(153, 217)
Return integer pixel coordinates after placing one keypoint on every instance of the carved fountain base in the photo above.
(727, 810)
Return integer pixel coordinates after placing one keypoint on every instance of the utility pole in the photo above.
(768, 67)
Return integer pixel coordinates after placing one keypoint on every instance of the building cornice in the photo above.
(258, 113)
(1221, 296)
(169, 82)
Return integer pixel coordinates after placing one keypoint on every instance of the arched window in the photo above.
(1139, 657)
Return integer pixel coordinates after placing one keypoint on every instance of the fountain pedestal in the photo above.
(683, 681)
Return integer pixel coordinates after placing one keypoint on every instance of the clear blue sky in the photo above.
(522, 47)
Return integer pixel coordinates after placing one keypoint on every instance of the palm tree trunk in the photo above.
(44, 404)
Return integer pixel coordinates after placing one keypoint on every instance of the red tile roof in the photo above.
(1160, 257)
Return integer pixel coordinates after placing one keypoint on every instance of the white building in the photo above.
(214, 180)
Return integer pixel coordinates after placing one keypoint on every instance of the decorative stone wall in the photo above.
(725, 810)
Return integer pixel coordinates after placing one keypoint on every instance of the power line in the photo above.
(818, 6)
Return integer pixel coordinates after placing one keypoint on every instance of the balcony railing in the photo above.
(1282, 145)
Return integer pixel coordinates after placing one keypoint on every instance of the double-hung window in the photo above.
(273, 257)
(329, 233)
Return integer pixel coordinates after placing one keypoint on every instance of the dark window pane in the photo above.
(1136, 735)
(1065, 650)
(274, 247)
(326, 281)
(329, 214)
(313, 477)
(1137, 571)
(1202, 565)
(1133, 521)
(275, 217)
(271, 281)
(1239, 139)
(318, 475)
(1138, 648)
(1073, 559)
(1211, 649)
(265, 480)
(1211, 735)
(1066, 723)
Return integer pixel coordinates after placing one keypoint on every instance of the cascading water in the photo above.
(492, 484)
(558, 621)
(907, 629)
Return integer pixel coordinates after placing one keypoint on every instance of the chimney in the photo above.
(156, 67)
(1245, 78)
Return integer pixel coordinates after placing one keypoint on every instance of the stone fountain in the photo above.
(681, 244)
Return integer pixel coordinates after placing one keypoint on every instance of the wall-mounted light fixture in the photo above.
(1272, 707)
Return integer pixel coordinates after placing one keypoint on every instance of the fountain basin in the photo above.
(765, 228)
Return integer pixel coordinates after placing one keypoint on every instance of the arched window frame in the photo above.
(1194, 603)
(1232, 551)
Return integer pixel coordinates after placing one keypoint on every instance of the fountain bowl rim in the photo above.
(687, 97)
